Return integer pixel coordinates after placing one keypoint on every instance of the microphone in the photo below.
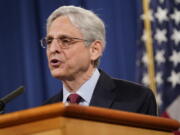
(10, 96)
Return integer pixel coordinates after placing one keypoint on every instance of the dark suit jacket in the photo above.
(120, 95)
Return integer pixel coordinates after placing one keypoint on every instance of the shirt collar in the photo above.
(86, 90)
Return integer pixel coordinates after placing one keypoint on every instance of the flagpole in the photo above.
(149, 47)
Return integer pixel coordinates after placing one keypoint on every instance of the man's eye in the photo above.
(49, 41)
(66, 40)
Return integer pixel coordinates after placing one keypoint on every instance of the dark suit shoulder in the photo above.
(139, 98)
(54, 99)
(131, 87)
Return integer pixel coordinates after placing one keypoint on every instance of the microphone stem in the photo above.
(2, 105)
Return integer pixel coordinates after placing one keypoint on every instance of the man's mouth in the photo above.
(55, 62)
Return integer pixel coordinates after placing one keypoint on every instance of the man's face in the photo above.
(67, 63)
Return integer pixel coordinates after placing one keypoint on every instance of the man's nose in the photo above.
(54, 47)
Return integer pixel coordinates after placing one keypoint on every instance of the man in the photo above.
(74, 43)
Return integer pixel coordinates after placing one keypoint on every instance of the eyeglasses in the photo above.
(63, 41)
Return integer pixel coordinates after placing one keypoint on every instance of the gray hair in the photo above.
(89, 24)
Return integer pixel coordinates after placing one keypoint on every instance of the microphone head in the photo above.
(13, 94)
(10, 96)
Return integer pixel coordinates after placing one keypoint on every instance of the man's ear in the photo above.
(96, 49)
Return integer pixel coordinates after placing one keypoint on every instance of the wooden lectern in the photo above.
(66, 119)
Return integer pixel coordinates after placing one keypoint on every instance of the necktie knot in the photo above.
(74, 98)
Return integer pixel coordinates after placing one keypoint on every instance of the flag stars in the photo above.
(160, 36)
(145, 59)
(176, 36)
(148, 16)
(161, 15)
(145, 79)
(160, 57)
(175, 58)
(144, 36)
(177, 1)
(176, 16)
(159, 79)
(174, 79)
(161, 1)
(159, 99)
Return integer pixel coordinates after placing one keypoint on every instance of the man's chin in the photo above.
(57, 74)
(61, 76)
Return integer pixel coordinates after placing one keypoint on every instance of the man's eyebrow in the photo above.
(49, 36)
(59, 36)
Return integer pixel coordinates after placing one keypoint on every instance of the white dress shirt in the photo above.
(86, 90)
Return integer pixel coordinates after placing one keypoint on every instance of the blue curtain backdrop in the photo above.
(23, 61)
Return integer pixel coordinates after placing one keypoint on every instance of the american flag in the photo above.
(164, 36)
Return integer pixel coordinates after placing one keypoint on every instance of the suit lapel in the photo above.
(61, 95)
(104, 93)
